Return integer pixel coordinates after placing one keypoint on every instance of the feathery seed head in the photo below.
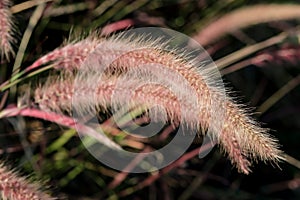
(18, 188)
(70, 56)
(143, 70)
(6, 30)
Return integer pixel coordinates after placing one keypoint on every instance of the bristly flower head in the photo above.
(92, 87)
(6, 30)
(70, 56)
(14, 187)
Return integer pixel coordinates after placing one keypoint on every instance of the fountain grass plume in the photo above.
(6, 30)
(15, 187)
(123, 60)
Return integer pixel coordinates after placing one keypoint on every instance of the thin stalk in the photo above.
(59, 119)
(16, 79)
(34, 19)
(279, 94)
(238, 55)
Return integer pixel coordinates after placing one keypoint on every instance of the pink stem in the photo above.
(62, 120)
(116, 26)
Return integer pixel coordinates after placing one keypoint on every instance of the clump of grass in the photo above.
(92, 75)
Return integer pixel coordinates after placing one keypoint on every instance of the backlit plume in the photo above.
(107, 71)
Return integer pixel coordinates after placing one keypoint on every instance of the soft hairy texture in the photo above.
(90, 92)
(119, 67)
(14, 187)
(6, 30)
(68, 57)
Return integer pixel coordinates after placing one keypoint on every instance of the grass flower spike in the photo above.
(123, 60)
(185, 99)
(6, 30)
(68, 57)
(14, 187)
